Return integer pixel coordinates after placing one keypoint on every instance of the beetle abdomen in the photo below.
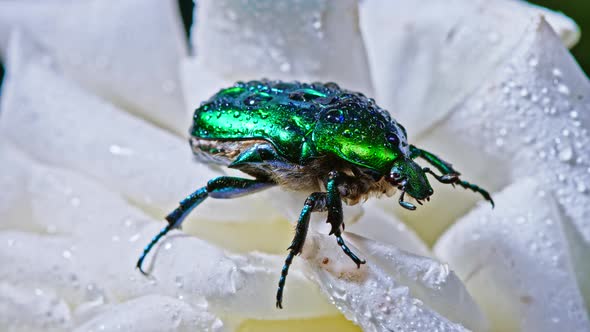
(221, 152)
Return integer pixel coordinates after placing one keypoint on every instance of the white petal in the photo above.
(126, 51)
(307, 40)
(518, 264)
(530, 119)
(566, 28)
(393, 290)
(28, 309)
(153, 313)
(54, 120)
(428, 56)
(91, 238)
(383, 227)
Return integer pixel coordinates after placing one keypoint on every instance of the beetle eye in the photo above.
(393, 139)
(335, 116)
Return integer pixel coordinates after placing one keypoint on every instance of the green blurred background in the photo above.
(579, 10)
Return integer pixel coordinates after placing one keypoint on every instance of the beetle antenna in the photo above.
(405, 205)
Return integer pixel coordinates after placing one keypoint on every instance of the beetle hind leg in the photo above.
(223, 187)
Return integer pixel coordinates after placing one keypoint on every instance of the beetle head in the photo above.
(410, 178)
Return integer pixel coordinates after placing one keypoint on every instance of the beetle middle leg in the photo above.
(334, 205)
(318, 202)
(449, 175)
(222, 187)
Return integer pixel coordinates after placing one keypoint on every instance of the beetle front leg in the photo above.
(449, 175)
(444, 167)
(221, 187)
(334, 205)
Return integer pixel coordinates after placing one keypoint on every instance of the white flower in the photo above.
(486, 84)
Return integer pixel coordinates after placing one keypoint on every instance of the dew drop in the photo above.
(533, 61)
(573, 114)
(581, 187)
(120, 150)
(134, 237)
(285, 67)
(167, 246)
(67, 254)
(563, 89)
(557, 72)
(566, 154)
(237, 114)
(179, 281)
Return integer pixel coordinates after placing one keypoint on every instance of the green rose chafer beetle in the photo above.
(336, 144)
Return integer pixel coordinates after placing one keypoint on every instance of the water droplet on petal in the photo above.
(285, 67)
(533, 61)
(566, 154)
(563, 89)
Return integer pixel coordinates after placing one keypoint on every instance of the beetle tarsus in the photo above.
(404, 204)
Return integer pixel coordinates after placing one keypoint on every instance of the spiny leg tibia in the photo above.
(449, 175)
(317, 202)
(222, 187)
(335, 218)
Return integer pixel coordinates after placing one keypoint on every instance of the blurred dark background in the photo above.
(579, 10)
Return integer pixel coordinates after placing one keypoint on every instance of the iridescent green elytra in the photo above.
(338, 145)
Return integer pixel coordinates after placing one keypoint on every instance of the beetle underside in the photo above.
(310, 177)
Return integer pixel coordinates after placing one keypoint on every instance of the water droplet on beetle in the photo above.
(556, 72)
(581, 187)
(237, 114)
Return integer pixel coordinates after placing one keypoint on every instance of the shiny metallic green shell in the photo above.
(304, 121)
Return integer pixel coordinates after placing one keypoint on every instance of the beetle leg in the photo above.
(476, 189)
(446, 178)
(449, 175)
(443, 166)
(405, 204)
(221, 187)
(316, 202)
(334, 206)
